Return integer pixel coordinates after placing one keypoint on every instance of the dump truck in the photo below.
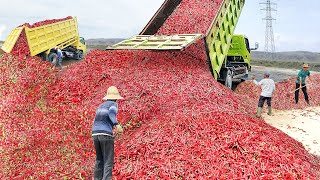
(228, 55)
(43, 39)
(237, 64)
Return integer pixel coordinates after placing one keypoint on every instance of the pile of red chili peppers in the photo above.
(179, 122)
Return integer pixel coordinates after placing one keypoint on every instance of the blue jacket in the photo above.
(59, 53)
(105, 118)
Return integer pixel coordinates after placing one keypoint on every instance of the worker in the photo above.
(301, 83)
(102, 134)
(59, 57)
(268, 87)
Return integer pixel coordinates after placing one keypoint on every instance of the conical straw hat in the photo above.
(112, 93)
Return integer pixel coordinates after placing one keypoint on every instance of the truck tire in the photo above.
(228, 79)
(79, 55)
(53, 58)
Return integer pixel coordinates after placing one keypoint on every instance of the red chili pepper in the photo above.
(180, 123)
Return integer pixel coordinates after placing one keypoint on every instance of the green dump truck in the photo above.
(228, 54)
(238, 61)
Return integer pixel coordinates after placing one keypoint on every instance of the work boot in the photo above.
(269, 111)
(259, 111)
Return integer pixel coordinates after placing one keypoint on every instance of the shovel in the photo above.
(298, 89)
(289, 93)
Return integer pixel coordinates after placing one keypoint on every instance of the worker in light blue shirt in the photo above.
(301, 83)
(102, 134)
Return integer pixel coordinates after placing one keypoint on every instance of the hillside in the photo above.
(103, 41)
(288, 60)
(297, 56)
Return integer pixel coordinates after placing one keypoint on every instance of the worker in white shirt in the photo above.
(268, 87)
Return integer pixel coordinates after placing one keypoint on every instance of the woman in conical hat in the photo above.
(102, 133)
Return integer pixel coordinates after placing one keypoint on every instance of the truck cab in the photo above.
(239, 51)
(238, 60)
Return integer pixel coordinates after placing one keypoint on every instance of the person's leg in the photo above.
(108, 156)
(296, 93)
(260, 105)
(98, 168)
(269, 106)
(261, 101)
(306, 97)
(60, 63)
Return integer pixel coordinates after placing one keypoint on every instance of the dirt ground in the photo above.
(302, 125)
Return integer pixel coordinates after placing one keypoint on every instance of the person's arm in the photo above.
(258, 83)
(300, 79)
(113, 110)
(274, 87)
(309, 76)
(300, 82)
(255, 82)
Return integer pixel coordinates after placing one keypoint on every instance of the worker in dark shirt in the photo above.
(103, 137)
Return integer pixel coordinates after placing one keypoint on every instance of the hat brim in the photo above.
(112, 97)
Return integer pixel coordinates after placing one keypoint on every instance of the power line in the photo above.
(269, 8)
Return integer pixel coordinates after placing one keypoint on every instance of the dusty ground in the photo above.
(302, 125)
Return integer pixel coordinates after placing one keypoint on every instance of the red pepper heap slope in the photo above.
(191, 16)
(189, 125)
(180, 123)
(283, 97)
(24, 85)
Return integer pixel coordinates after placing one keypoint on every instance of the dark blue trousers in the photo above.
(104, 146)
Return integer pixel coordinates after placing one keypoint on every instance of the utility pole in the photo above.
(269, 8)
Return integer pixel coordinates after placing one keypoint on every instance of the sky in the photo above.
(296, 27)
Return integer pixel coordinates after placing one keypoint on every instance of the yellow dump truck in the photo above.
(41, 40)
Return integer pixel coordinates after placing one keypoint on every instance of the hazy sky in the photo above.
(296, 27)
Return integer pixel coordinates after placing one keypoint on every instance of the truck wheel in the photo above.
(52, 58)
(79, 55)
(228, 80)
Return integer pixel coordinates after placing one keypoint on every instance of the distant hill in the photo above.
(288, 60)
(297, 56)
(102, 41)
